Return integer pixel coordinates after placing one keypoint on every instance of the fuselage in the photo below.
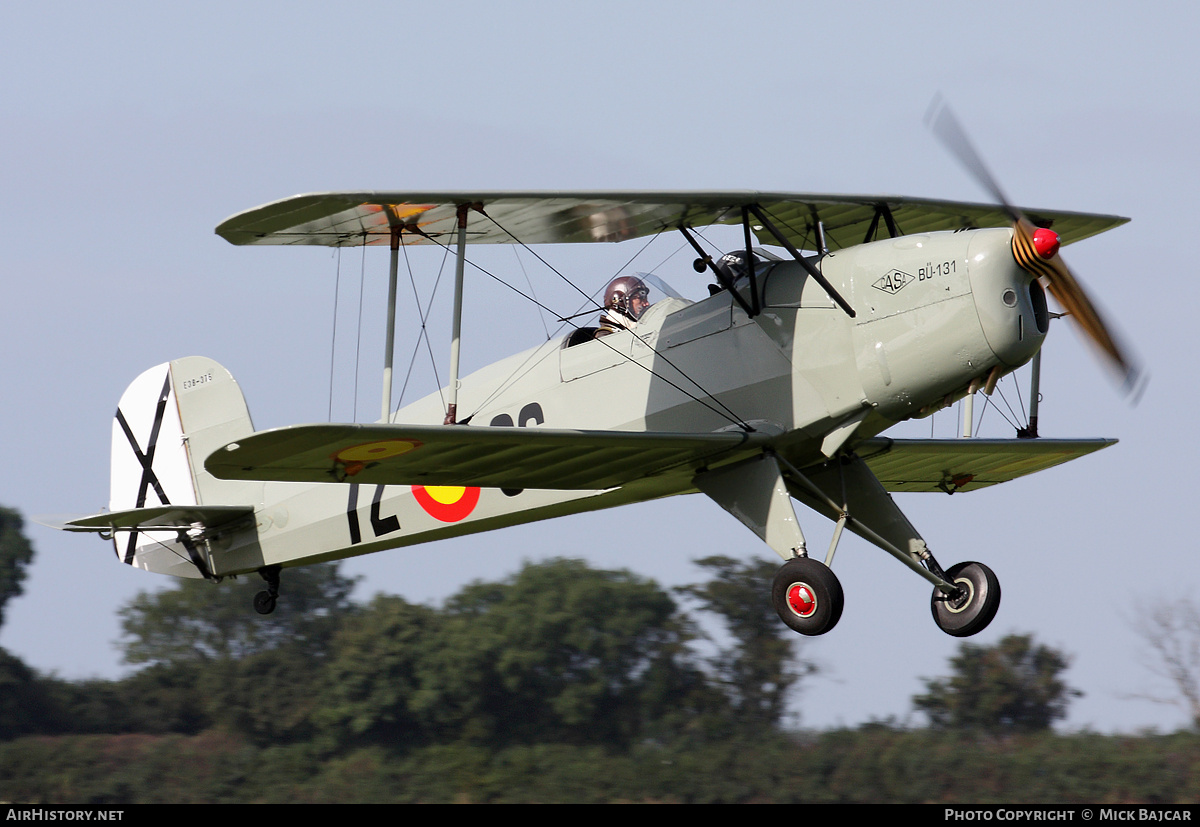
(935, 314)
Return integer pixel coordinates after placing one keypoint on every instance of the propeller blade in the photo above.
(946, 127)
(1036, 250)
(1039, 256)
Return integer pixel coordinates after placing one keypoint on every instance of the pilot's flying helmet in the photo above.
(627, 297)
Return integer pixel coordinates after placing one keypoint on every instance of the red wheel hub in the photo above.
(801, 600)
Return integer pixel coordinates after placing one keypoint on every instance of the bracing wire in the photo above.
(563, 322)
(989, 402)
(424, 313)
(1020, 400)
(524, 272)
(720, 408)
(591, 299)
(1016, 416)
(534, 253)
(727, 413)
(423, 333)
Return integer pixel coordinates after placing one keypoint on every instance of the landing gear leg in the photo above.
(965, 598)
(264, 601)
(805, 593)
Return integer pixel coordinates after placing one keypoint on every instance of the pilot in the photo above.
(625, 300)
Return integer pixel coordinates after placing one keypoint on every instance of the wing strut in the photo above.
(456, 330)
(884, 211)
(1035, 391)
(754, 298)
(805, 263)
(397, 227)
(390, 345)
(705, 260)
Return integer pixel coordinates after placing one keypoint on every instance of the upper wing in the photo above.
(952, 465)
(356, 218)
(486, 457)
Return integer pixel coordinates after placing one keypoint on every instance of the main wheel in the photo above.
(264, 603)
(807, 596)
(973, 610)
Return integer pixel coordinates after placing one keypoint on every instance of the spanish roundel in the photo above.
(448, 503)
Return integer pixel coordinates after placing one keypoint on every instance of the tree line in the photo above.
(559, 683)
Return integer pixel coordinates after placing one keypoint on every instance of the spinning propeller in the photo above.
(1036, 251)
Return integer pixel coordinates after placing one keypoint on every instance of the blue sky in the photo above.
(129, 133)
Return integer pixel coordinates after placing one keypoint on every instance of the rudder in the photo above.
(168, 421)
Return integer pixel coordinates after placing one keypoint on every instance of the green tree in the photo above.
(559, 652)
(211, 660)
(25, 705)
(156, 700)
(1013, 686)
(197, 621)
(15, 554)
(759, 671)
(373, 679)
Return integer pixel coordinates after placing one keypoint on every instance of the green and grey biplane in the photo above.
(777, 387)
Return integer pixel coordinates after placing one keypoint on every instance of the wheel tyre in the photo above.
(264, 603)
(972, 614)
(807, 596)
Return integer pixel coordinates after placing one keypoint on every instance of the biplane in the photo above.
(776, 388)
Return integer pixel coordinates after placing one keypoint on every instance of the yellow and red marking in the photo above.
(380, 218)
(356, 457)
(448, 503)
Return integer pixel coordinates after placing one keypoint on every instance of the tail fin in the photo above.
(169, 419)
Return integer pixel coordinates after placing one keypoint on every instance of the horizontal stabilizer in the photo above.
(951, 465)
(484, 457)
(167, 517)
